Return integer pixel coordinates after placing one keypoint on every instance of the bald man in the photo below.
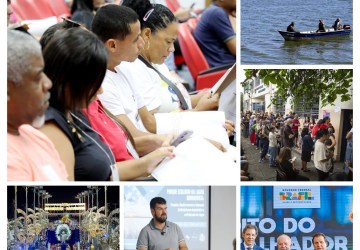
(283, 242)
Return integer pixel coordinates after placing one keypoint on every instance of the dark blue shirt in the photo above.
(307, 143)
(212, 32)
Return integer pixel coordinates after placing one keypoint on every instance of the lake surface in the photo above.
(261, 42)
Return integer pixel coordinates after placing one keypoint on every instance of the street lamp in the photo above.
(96, 188)
(40, 194)
(78, 196)
(90, 192)
(248, 90)
(86, 193)
(36, 191)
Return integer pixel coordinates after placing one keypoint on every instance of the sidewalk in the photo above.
(263, 172)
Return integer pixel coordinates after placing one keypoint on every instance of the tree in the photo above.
(305, 84)
(241, 101)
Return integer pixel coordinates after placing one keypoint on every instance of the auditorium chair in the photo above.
(203, 75)
(173, 5)
(60, 8)
(32, 9)
(39, 9)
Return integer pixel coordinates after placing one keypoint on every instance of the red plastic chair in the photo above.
(60, 8)
(204, 76)
(173, 5)
(32, 9)
(192, 22)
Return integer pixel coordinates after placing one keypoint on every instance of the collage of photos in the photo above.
(297, 96)
(180, 125)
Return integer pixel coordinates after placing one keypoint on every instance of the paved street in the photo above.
(263, 172)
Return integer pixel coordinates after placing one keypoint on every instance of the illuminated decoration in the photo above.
(62, 207)
(28, 226)
(63, 232)
(34, 230)
(106, 229)
(65, 219)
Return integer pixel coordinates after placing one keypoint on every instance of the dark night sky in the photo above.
(60, 194)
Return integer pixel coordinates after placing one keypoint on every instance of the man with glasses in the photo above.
(249, 234)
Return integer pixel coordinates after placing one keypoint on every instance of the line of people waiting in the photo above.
(277, 135)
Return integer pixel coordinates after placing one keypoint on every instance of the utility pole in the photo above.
(15, 213)
(106, 209)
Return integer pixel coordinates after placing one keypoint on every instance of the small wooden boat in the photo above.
(305, 35)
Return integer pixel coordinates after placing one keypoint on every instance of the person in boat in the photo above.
(291, 27)
(321, 26)
(337, 25)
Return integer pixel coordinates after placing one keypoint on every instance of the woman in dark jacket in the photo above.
(306, 148)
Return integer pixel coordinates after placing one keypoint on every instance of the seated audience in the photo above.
(76, 62)
(157, 87)
(114, 133)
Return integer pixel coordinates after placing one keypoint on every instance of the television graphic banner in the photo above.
(299, 212)
(296, 197)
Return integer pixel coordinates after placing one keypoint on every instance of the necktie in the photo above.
(249, 248)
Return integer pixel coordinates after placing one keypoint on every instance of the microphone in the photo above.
(162, 232)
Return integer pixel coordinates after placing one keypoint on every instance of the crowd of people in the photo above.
(91, 91)
(277, 136)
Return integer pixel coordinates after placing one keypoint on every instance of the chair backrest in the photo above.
(192, 22)
(193, 56)
(60, 8)
(32, 9)
(173, 5)
(280, 175)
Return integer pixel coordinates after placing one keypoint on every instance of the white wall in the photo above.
(223, 217)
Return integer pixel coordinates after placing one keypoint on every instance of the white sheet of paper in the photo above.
(38, 27)
(225, 80)
(198, 161)
(208, 124)
(227, 102)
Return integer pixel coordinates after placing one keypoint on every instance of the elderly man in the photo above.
(31, 155)
(160, 233)
(319, 241)
(287, 134)
(283, 242)
(249, 234)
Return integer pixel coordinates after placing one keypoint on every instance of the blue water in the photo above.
(261, 42)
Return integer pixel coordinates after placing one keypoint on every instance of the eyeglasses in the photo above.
(70, 23)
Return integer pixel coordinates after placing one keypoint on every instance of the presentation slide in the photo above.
(188, 206)
(299, 212)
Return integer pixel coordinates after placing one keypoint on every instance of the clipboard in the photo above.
(224, 81)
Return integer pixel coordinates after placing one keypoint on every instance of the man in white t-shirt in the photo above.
(122, 39)
(322, 156)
